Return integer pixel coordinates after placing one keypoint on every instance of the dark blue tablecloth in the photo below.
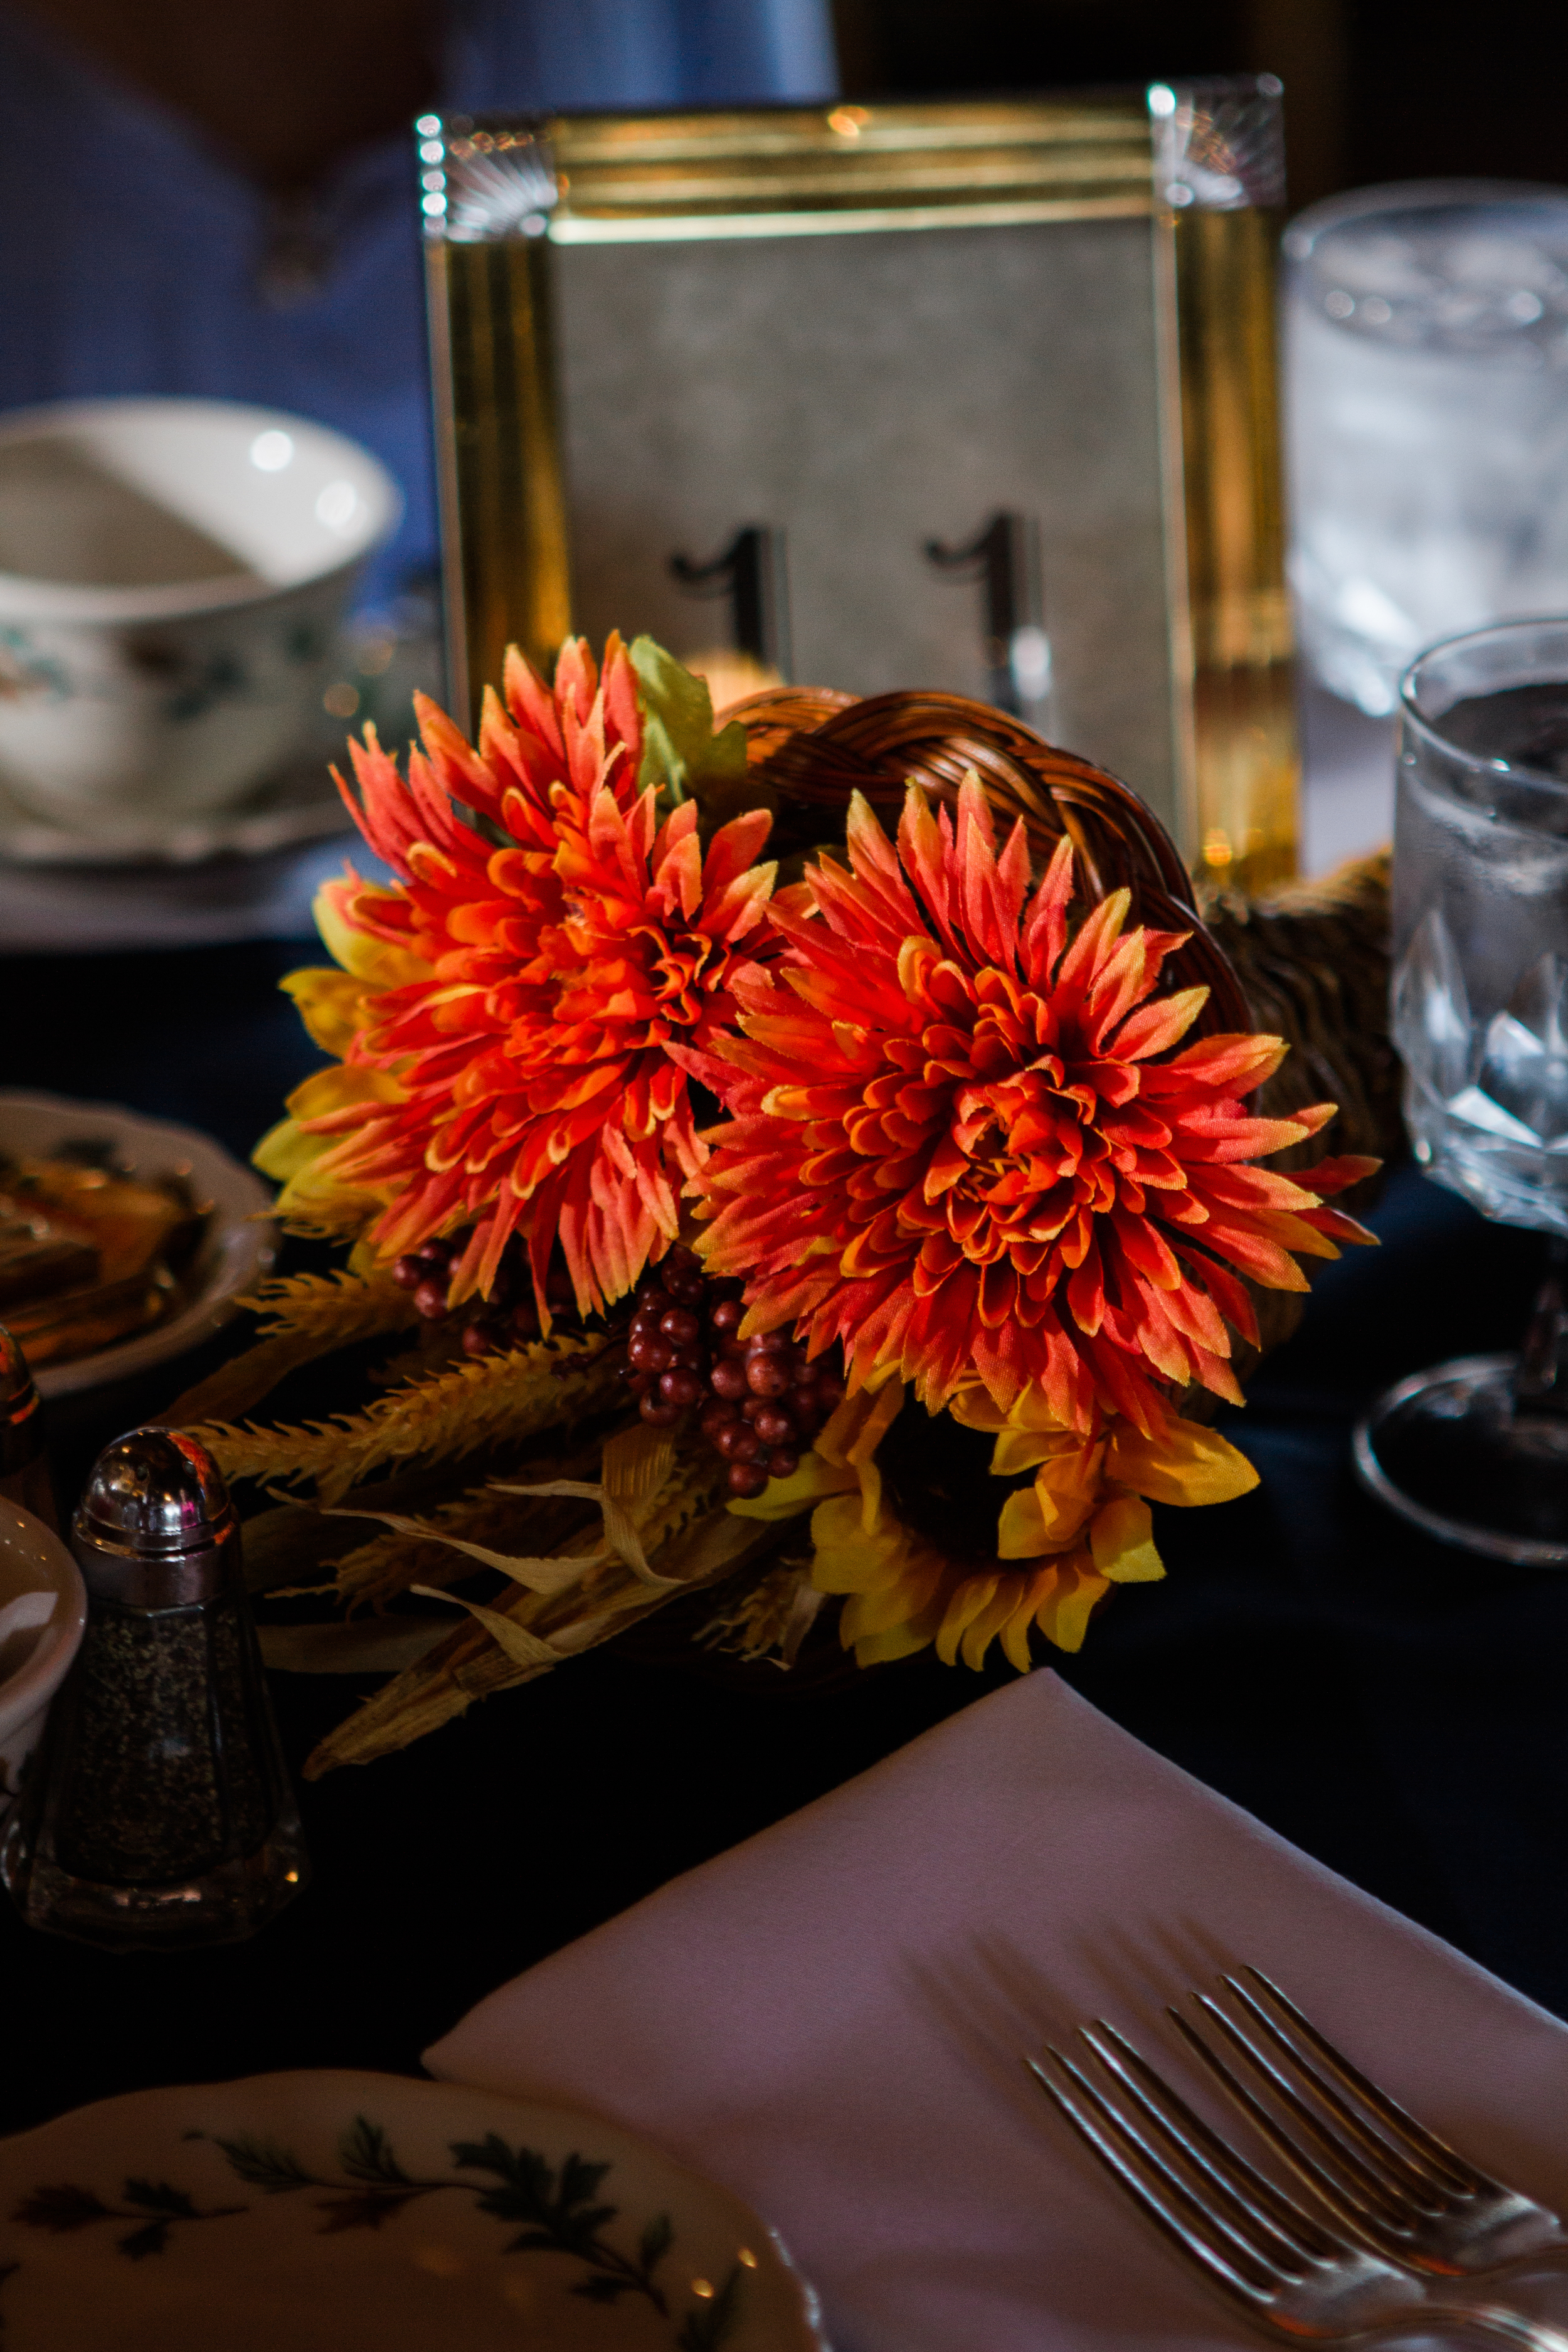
(1393, 1706)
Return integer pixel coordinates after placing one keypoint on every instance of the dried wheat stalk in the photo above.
(334, 1216)
(495, 1400)
(305, 1316)
(335, 1307)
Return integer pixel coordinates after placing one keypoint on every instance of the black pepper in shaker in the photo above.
(24, 1477)
(161, 1812)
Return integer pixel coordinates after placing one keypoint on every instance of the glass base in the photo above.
(221, 1906)
(1449, 1450)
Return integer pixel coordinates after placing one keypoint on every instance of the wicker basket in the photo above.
(1309, 963)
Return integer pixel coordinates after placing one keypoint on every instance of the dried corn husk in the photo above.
(689, 1538)
(772, 1619)
(295, 1545)
(371, 1645)
(375, 1573)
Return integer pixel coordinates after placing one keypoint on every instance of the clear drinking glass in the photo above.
(1477, 1451)
(1426, 410)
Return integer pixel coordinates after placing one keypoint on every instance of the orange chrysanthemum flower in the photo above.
(556, 954)
(963, 1142)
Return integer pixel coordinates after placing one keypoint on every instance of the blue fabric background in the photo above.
(130, 249)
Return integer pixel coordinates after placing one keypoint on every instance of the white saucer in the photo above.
(297, 805)
(346, 2212)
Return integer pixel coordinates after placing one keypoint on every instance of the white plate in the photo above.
(348, 2212)
(301, 804)
(237, 1249)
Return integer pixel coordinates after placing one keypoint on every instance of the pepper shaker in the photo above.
(162, 1813)
(24, 1477)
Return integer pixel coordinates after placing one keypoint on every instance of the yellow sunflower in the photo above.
(1083, 1526)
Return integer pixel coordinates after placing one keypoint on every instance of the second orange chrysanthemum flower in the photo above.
(962, 1143)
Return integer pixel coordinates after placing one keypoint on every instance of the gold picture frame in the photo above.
(652, 333)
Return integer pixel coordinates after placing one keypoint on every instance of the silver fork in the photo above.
(1389, 2181)
(1288, 2270)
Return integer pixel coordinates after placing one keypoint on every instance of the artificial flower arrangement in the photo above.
(811, 1177)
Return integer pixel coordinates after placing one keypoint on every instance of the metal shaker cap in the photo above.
(155, 1529)
(21, 1423)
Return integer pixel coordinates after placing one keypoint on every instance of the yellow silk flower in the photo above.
(1083, 1526)
(335, 1006)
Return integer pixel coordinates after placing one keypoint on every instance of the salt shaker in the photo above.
(24, 1464)
(161, 1812)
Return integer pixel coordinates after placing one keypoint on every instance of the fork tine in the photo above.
(1349, 2191)
(1277, 2261)
(1410, 2176)
(1443, 2160)
(1294, 2232)
(1089, 2115)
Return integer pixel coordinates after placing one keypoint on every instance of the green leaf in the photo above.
(579, 2181)
(61, 2209)
(158, 2196)
(491, 2154)
(261, 2164)
(561, 2215)
(527, 2182)
(578, 2232)
(365, 2209)
(365, 2154)
(655, 2243)
(680, 750)
(601, 2289)
(710, 2325)
(139, 2243)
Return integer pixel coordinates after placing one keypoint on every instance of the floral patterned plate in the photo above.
(353, 2210)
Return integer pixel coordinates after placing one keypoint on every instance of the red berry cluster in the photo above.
(508, 1318)
(764, 1402)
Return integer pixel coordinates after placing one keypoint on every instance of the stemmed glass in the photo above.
(1476, 1451)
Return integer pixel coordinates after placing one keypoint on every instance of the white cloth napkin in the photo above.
(830, 2017)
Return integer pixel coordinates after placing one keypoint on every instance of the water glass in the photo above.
(1477, 1451)
(1426, 410)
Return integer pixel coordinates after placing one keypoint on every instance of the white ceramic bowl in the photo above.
(34, 1659)
(173, 576)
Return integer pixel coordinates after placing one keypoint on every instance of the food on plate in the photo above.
(91, 1252)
